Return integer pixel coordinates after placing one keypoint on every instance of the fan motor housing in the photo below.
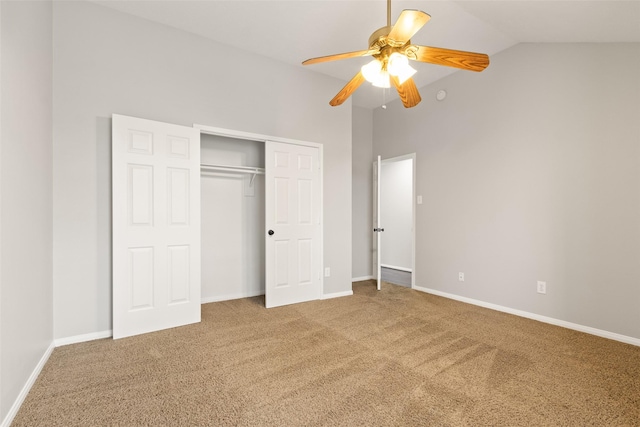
(380, 39)
(375, 38)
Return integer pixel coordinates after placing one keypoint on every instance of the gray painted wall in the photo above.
(531, 171)
(362, 192)
(107, 62)
(26, 315)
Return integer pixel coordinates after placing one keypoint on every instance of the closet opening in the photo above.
(232, 217)
(261, 217)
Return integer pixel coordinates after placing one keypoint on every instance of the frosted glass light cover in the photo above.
(399, 66)
(374, 74)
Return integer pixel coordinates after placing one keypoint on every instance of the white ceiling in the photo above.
(294, 30)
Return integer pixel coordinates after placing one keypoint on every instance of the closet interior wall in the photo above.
(233, 220)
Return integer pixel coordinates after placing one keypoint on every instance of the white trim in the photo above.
(236, 134)
(83, 338)
(400, 158)
(27, 387)
(229, 297)
(337, 295)
(394, 267)
(321, 155)
(360, 279)
(550, 320)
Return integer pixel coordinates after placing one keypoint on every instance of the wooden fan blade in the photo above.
(408, 23)
(408, 92)
(347, 90)
(346, 55)
(452, 58)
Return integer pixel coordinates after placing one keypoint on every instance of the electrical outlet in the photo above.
(542, 287)
(461, 277)
(327, 272)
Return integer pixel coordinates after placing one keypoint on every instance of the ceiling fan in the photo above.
(391, 49)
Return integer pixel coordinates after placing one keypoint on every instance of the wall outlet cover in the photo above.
(542, 287)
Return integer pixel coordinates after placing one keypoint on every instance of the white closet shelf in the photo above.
(253, 171)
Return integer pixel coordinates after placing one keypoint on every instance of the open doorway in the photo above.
(396, 213)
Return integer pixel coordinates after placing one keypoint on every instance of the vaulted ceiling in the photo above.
(294, 30)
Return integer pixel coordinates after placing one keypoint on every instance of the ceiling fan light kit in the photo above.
(398, 66)
(375, 74)
(391, 49)
(378, 72)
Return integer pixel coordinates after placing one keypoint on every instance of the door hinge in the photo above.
(378, 230)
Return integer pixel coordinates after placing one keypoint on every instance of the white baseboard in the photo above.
(395, 267)
(83, 338)
(569, 325)
(25, 389)
(207, 300)
(337, 295)
(360, 279)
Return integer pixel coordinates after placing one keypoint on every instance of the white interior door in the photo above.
(377, 249)
(293, 222)
(156, 225)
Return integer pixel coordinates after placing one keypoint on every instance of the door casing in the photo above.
(379, 222)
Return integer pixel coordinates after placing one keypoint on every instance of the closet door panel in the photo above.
(281, 261)
(156, 225)
(292, 191)
(178, 147)
(305, 201)
(139, 142)
(140, 271)
(305, 262)
(140, 195)
(178, 274)
(178, 196)
(281, 197)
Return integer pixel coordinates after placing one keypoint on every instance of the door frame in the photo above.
(237, 134)
(412, 157)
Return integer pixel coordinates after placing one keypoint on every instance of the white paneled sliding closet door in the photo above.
(293, 220)
(156, 225)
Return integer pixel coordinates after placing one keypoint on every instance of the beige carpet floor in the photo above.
(389, 358)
